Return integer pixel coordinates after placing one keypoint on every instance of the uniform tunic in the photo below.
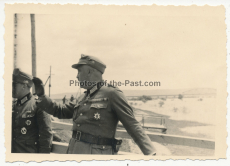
(99, 116)
(31, 127)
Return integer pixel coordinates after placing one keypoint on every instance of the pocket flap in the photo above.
(31, 142)
(99, 105)
(101, 147)
(28, 114)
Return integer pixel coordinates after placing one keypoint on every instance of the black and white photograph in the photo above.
(134, 81)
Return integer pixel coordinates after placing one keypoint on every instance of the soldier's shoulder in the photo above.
(32, 105)
(79, 99)
(112, 88)
(14, 102)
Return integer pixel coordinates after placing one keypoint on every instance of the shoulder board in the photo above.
(115, 87)
(109, 85)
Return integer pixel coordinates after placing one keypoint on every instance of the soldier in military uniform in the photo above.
(71, 98)
(96, 114)
(31, 127)
(64, 99)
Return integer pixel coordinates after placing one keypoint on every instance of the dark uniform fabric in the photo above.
(97, 113)
(31, 127)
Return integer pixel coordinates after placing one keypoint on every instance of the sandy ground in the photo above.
(189, 116)
(189, 109)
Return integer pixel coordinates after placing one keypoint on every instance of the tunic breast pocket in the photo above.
(28, 118)
(75, 111)
(97, 111)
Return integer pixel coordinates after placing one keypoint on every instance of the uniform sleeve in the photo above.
(125, 114)
(61, 111)
(45, 132)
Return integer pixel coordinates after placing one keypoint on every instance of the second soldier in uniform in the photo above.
(96, 114)
(31, 126)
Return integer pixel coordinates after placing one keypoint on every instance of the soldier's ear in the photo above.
(91, 70)
(25, 86)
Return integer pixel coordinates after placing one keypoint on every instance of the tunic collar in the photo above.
(24, 99)
(95, 88)
(90, 92)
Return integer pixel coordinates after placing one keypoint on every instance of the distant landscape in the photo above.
(198, 91)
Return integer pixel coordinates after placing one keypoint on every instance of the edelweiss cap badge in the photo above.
(97, 116)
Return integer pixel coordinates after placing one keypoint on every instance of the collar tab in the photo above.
(24, 99)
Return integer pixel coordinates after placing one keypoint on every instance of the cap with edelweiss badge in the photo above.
(21, 77)
(90, 61)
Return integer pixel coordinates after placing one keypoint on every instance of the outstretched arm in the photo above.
(125, 115)
(62, 111)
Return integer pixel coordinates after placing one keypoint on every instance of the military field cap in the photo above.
(91, 61)
(21, 77)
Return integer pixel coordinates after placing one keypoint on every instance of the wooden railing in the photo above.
(159, 124)
(155, 137)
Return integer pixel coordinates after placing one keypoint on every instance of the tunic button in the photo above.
(81, 114)
(84, 104)
(17, 112)
(78, 125)
(103, 147)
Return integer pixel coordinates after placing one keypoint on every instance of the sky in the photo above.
(180, 51)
